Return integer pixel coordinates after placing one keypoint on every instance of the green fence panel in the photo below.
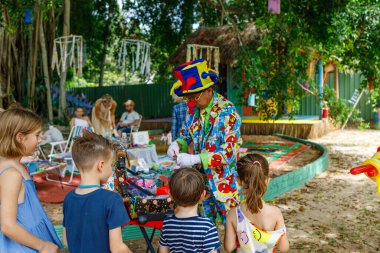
(347, 85)
(152, 100)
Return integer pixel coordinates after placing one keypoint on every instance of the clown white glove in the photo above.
(173, 150)
(186, 160)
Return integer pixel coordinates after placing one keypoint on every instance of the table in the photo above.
(163, 167)
(148, 153)
(41, 166)
(156, 225)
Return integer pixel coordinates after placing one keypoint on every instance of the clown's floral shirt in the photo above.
(215, 132)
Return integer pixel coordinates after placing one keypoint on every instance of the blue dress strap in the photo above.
(6, 168)
(11, 167)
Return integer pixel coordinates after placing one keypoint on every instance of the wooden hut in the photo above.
(229, 42)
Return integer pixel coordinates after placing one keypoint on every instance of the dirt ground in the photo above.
(334, 212)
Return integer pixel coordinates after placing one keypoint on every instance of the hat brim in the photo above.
(196, 91)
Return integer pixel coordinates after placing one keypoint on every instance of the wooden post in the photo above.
(320, 84)
(336, 81)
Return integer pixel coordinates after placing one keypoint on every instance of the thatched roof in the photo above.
(225, 37)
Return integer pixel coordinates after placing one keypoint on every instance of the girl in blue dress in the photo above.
(25, 227)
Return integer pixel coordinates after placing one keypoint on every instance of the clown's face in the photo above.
(200, 100)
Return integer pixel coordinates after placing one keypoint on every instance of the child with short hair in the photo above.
(93, 216)
(25, 227)
(258, 227)
(185, 231)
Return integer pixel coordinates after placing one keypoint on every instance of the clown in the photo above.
(212, 124)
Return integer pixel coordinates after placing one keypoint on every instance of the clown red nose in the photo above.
(191, 104)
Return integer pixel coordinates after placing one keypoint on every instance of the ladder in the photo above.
(354, 100)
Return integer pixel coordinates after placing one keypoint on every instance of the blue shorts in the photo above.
(124, 129)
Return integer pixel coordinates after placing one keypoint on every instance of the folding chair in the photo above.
(65, 153)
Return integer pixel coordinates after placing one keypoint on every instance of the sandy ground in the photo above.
(334, 212)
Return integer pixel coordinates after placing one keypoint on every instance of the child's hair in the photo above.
(186, 186)
(13, 121)
(253, 171)
(90, 147)
(107, 98)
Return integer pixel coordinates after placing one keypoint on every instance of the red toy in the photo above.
(371, 168)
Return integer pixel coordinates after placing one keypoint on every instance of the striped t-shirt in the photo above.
(193, 234)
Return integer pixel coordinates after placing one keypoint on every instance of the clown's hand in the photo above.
(173, 150)
(186, 160)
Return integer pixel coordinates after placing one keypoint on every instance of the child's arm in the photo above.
(116, 241)
(72, 122)
(11, 180)
(162, 249)
(230, 234)
(283, 244)
(64, 238)
(163, 245)
(89, 121)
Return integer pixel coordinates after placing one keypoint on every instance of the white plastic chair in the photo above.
(65, 153)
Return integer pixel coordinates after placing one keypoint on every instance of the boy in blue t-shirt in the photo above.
(92, 217)
(185, 231)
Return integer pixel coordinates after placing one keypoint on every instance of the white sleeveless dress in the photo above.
(253, 239)
(81, 122)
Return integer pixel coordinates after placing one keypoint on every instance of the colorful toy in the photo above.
(371, 168)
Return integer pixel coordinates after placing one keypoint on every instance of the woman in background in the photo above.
(103, 115)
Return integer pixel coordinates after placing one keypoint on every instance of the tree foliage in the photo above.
(345, 32)
(275, 64)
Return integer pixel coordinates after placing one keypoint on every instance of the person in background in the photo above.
(80, 119)
(256, 225)
(186, 231)
(51, 135)
(103, 115)
(25, 227)
(129, 119)
(178, 116)
(92, 217)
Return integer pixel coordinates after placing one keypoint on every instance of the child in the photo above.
(259, 227)
(185, 231)
(92, 217)
(79, 119)
(25, 227)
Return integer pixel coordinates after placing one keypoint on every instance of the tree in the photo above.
(62, 83)
(345, 32)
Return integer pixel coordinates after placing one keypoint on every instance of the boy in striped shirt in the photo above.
(186, 231)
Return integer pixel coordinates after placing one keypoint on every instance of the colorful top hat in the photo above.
(193, 77)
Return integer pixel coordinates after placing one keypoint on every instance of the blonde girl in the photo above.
(257, 226)
(25, 227)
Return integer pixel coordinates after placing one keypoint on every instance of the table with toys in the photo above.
(145, 191)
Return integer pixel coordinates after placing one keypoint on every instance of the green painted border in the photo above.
(296, 178)
(277, 186)
(129, 232)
